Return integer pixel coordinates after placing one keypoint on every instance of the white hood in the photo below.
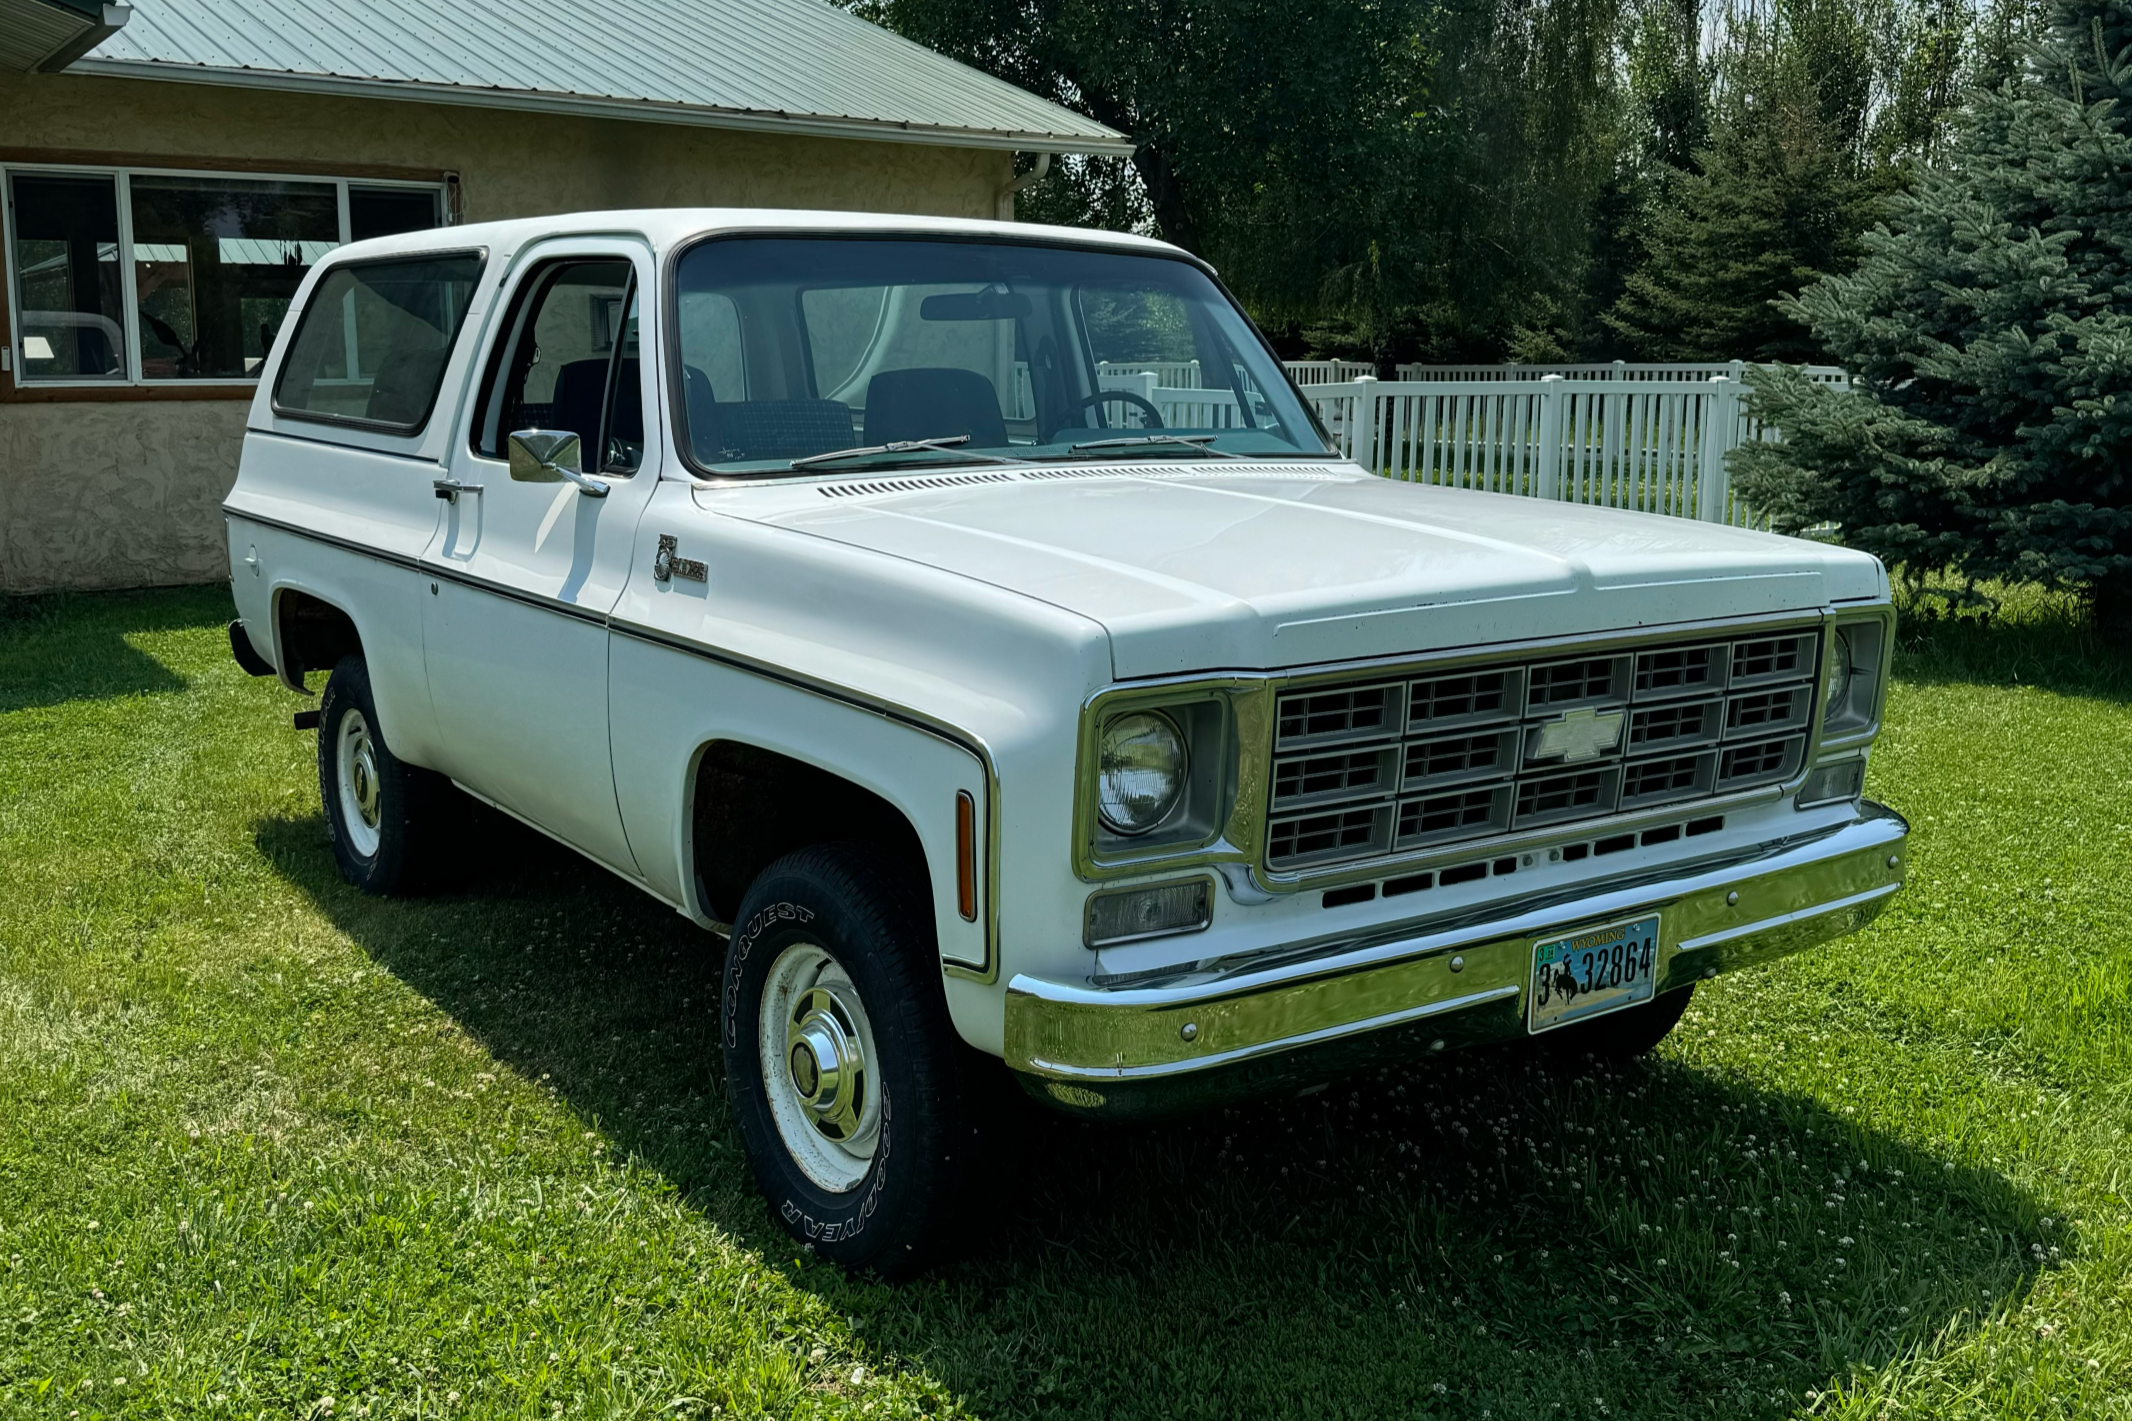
(1204, 567)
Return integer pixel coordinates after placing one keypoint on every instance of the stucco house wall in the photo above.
(122, 488)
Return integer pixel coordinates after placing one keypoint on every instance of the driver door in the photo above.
(522, 574)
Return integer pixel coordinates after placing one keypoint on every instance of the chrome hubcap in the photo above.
(356, 759)
(828, 1064)
(818, 1066)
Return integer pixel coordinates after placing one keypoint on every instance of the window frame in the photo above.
(122, 176)
(317, 278)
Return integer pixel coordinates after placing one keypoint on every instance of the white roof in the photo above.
(667, 227)
(783, 65)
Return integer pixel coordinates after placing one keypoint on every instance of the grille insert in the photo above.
(1673, 724)
(1761, 762)
(1667, 778)
(1575, 683)
(1333, 836)
(1460, 757)
(1374, 767)
(1448, 818)
(1760, 712)
(1579, 794)
(1465, 698)
(1328, 717)
(1680, 670)
(1314, 779)
(1777, 658)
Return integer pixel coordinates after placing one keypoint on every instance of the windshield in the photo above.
(793, 348)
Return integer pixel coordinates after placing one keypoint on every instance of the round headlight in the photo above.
(1839, 672)
(1141, 770)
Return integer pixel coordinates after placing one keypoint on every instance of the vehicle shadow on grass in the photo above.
(71, 646)
(1474, 1236)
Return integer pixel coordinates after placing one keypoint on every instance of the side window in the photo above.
(623, 444)
(560, 358)
(371, 346)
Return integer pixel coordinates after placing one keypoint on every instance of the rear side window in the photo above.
(373, 341)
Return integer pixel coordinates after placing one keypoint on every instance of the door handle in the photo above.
(450, 489)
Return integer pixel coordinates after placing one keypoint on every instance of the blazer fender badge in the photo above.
(667, 563)
(1579, 735)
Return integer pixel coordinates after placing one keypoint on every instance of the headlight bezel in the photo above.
(1850, 710)
(1216, 719)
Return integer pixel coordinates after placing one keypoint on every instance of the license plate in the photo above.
(1592, 972)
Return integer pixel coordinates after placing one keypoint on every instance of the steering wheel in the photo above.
(1154, 415)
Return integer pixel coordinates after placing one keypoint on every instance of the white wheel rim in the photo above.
(820, 1070)
(355, 758)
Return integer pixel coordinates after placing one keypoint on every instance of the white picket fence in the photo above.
(1655, 445)
(1646, 437)
(1184, 374)
(1327, 372)
(1612, 370)
(1169, 374)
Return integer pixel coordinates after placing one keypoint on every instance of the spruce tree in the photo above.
(1775, 196)
(1990, 332)
(1775, 205)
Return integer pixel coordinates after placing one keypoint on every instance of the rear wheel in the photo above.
(851, 1089)
(385, 818)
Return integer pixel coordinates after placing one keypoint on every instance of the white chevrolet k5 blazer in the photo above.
(971, 624)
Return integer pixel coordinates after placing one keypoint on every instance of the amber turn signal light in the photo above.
(966, 855)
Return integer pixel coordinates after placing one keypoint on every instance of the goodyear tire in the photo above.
(385, 818)
(851, 1089)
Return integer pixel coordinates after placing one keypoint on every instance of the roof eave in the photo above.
(586, 106)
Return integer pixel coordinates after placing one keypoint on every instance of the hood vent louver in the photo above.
(873, 486)
(1314, 473)
(1308, 473)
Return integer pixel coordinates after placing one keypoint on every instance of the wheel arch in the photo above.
(311, 633)
(750, 805)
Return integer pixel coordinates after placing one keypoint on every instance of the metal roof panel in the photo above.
(799, 63)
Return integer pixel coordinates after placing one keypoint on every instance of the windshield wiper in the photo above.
(945, 444)
(1202, 443)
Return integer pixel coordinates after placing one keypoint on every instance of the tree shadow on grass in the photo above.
(2038, 638)
(71, 646)
(1472, 1236)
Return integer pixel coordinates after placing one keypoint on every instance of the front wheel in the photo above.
(849, 1084)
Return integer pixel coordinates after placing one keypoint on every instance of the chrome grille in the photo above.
(1383, 766)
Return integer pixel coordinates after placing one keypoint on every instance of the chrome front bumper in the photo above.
(1131, 1051)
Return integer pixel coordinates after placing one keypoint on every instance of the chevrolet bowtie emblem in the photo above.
(1578, 735)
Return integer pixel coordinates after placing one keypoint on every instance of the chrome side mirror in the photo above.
(550, 456)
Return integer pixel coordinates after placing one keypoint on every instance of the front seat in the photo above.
(937, 403)
(580, 393)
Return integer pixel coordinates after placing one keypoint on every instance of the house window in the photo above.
(132, 276)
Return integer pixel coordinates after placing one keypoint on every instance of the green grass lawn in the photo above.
(269, 1148)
